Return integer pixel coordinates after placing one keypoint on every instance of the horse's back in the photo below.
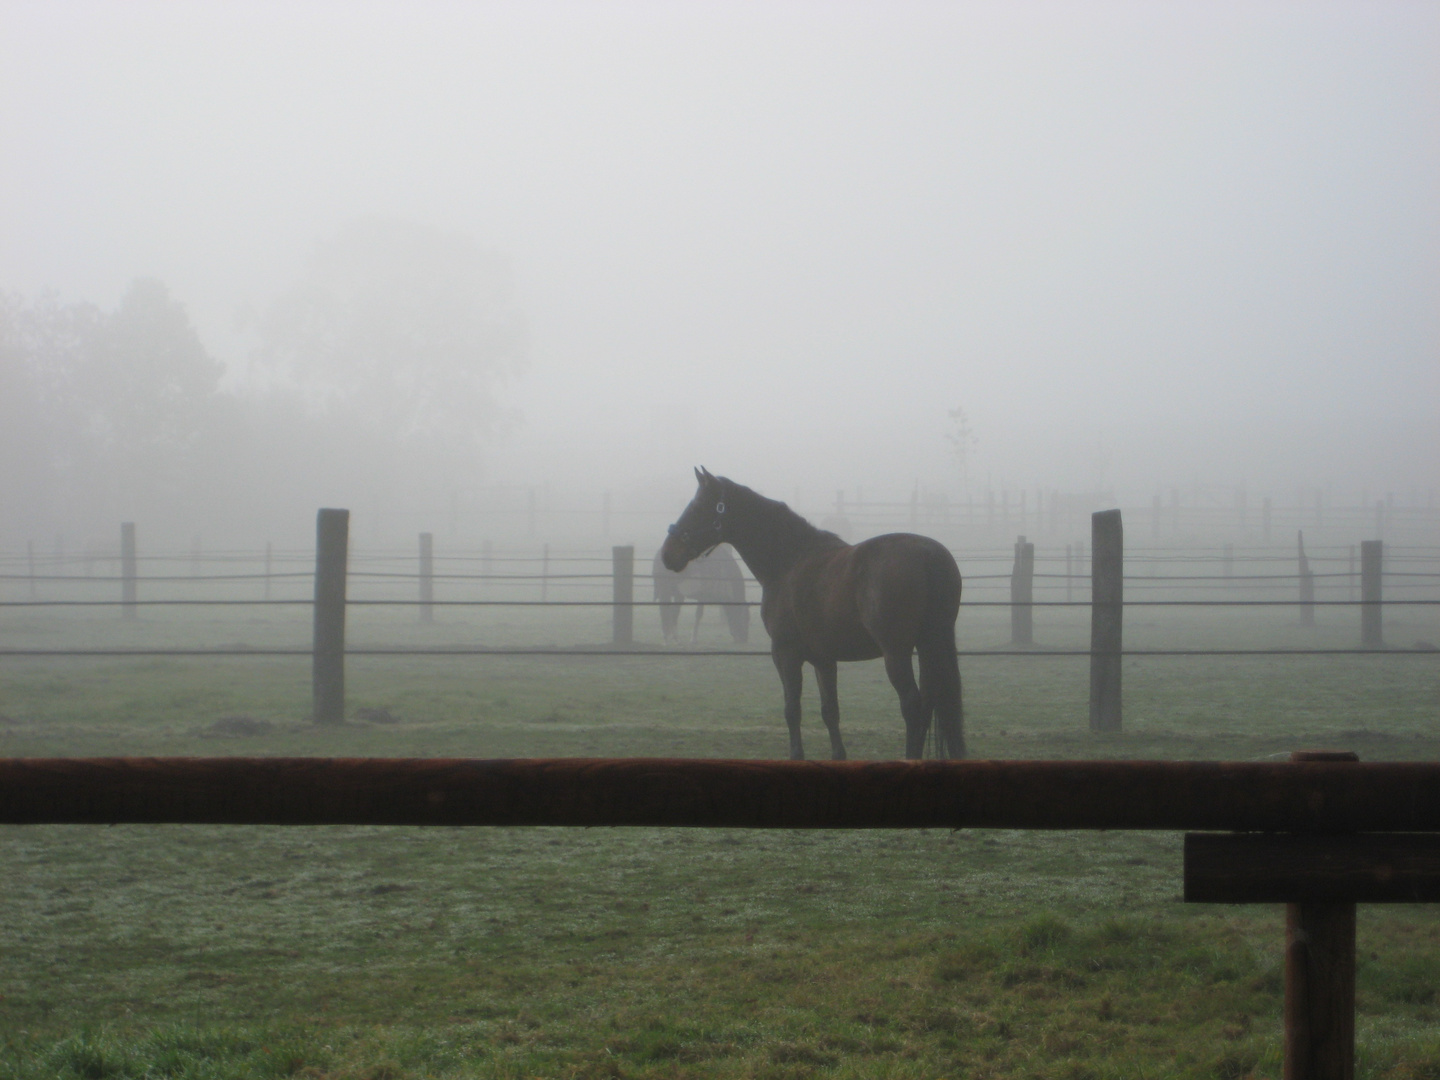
(892, 560)
(858, 602)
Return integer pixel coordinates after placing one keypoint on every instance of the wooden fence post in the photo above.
(332, 546)
(427, 577)
(1022, 594)
(623, 611)
(1320, 978)
(127, 570)
(1371, 557)
(1107, 597)
(1307, 585)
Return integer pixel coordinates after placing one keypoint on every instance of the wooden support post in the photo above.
(332, 547)
(1022, 594)
(1320, 978)
(1319, 991)
(427, 577)
(623, 612)
(1107, 597)
(1307, 585)
(1371, 557)
(127, 570)
(1320, 875)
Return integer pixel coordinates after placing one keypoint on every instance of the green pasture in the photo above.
(207, 952)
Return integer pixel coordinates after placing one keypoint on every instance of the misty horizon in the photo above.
(1141, 251)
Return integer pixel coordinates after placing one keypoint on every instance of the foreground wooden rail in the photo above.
(1319, 832)
(1305, 797)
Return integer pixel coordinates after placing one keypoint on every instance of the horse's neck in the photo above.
(774, 538)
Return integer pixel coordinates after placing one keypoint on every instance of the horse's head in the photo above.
(701, 527)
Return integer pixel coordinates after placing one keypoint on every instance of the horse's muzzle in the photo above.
(675, 553)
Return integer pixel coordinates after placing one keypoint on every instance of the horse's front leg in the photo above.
(791, 678)
(912, 706)
(825, 677)
(699, 614)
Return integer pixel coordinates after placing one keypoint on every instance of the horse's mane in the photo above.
(784, 527)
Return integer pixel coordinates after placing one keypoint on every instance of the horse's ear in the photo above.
(702, 474)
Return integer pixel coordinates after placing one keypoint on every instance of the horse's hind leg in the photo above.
(825, 676)
(699, 614)
(912, 706)
(791, 678)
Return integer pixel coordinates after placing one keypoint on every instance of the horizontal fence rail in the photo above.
(1305, 797)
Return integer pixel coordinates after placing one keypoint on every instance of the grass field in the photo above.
(206, 952)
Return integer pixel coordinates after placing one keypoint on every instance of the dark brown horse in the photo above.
(823, 600)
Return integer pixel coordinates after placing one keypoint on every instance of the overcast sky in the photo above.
(1140, 245)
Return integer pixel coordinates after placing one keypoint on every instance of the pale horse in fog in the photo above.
(713, 579)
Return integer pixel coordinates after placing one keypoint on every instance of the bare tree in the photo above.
(963, 441)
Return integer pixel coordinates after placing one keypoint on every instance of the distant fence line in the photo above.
(1102, 567)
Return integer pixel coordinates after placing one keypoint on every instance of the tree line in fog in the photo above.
(376, 371)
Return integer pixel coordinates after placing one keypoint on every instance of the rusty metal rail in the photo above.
(1303, 797)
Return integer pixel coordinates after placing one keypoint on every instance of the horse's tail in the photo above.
(939, 663)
